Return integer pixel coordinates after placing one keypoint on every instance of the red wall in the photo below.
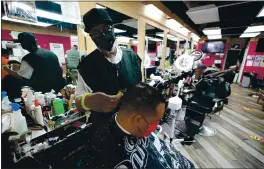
(43, 40)
(251, 51)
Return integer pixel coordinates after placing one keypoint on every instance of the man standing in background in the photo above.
(40, 69)
(72, 61)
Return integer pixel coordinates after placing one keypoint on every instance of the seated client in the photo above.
(128, 141)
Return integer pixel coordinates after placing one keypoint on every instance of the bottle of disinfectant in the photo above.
(20, 123)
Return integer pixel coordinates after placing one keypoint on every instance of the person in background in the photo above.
(72, 61)
(4, 57)
(40, 68)
(129, 140)
(105, 71)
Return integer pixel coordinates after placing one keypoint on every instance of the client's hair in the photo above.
(141, 98)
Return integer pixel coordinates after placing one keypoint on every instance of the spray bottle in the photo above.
(38, 113)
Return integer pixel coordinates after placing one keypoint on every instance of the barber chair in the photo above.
(200, 103)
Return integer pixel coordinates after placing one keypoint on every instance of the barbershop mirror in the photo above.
(153, 50)
(171, 49)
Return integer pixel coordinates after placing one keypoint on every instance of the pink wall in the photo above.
(251, 51)
(43, 40)
(211, 57)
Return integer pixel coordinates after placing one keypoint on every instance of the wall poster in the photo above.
(57, 49)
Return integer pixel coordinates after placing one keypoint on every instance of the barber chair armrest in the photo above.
(219, 102)
(199, 107)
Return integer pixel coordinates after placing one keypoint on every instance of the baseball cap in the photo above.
(95, 17)
(25, 37)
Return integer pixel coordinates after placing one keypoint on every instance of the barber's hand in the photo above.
(102, 102)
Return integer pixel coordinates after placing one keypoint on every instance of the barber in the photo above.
(105, 71)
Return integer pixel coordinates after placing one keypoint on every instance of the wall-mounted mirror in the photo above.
(153, 50)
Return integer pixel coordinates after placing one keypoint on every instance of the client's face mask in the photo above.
(104, 39)
(151, 128)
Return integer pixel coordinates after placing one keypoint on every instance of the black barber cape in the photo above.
(110, 147)
(103, 76)
(47, 73)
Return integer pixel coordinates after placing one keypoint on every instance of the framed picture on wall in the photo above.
(21, 10)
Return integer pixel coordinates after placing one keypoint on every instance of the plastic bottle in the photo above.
(58, 107)
(20, 123)
(38, 113)
(72, 101)
(5, 102)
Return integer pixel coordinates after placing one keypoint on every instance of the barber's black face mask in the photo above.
(104, 40)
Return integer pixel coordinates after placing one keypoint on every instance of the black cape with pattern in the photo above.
(112, 148)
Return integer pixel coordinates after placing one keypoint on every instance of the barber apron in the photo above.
(102, 76)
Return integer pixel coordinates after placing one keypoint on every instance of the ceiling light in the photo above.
(133, 23)
(214, 36)
(212, 31)
(249, 35)
(26, 22)
(135, 42)
(119, 30)
(173, 39)
(170, 37)
(123, 39)
(173, 24)
(49, 15)
(162, 35)
(154, 39)
(255, 28)
(100, 6)
(204, 14)
(176, 26)
(153, 12)
(261, 13)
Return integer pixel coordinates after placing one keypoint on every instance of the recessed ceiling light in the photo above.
(214, 36)
(155, 39)
(255, 28)
(249, 35)
(212, 31)
(162, 35)
(261, 13)
(119, 30)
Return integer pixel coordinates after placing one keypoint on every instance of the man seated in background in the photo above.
(128, 141)
(72, 62)
(40, 69)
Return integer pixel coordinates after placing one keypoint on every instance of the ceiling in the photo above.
(130, 25)
(234, 16)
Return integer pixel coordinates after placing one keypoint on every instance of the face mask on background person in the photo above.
(104, 39)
